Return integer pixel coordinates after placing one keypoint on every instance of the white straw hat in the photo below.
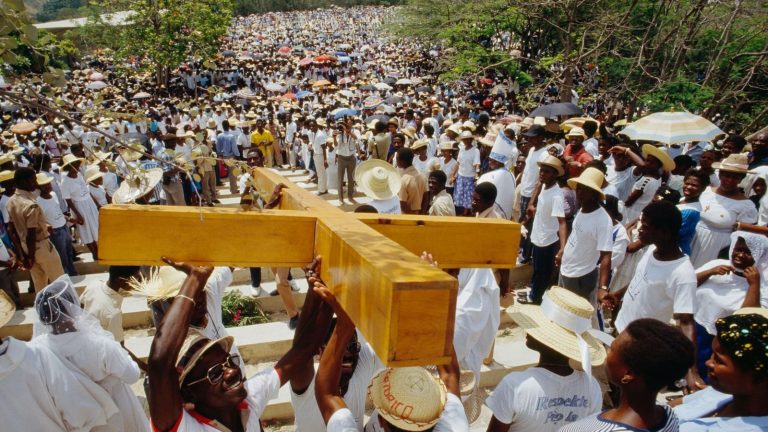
(409, 398)
(137, 185)
(377, 179)
(93, 173)
(592, 178)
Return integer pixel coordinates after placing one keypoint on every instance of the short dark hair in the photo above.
(597, 163)
(440, 176)
(668, 194)
(122, 272)
(405, 155)
(699, 174)
(738, 142)
(659, 353)
(23, 174)
(664, 215)
(486, 191)
(684, 161)
(366, 208)
(589, 128)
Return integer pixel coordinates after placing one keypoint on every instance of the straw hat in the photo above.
(68, 159)
(466, 135)
(161, 284)
(418, 144)
(101, 156)
(7, 308)
(410, 132)
(377, 179)
(211, 123)
(6, 175)
(661, 154)
(93, 173)
(194, 347)
(592, 178)
(488, 140)
(43, 179)
(563, 322)
(321, 122)
(447, 145)
(132, 151)
(5, 158)
(137, 185)
(395, 388)
(735, 163)
(553, 162)
(576, 132)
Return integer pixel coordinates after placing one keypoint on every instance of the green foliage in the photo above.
(60, 9)
(679, 94)
(239, 310)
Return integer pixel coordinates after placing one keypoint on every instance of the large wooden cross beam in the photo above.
(404, 307)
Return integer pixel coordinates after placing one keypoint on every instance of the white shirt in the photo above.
(620, 243)
(319, 141)
(52, 211)
(590, 146)
(542, 401)
(105, 305)
(74, 188)
(219, 280)
(505, 189)
(591, 234)
(476, 321)
(448, 170)
(622, 181)
(546, 224)
(387, 206)
(531, 171)
(99, 194)
(345, 145)
(467, 160)
(658, 290)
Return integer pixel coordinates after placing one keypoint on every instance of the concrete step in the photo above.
(86, 265)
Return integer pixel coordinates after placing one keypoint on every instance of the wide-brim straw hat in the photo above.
(553, 162)
(667, 163)
(421, 143)
(194, 347)
(488, 140)
(7, 308)
(394, 388)
(735, 163)
(592, 178)
(563, 322)
(93, 173)
(5, 158)
(6, 175)
(43, 179)
(69, 159)
(132, 151)
(377, 179)
(137, 185)
(446, 145)
(101, 156)
(576, 132)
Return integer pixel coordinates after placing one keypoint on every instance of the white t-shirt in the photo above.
(592, 233)
(658, 290)
(453, 418)
(448, 170)
(620, 243)
(341, 421)
(261, 388)
(542, 401)
(721, 296)
(52, 211)
(387, 206)
(467, 160)
(622, 181)
(545, 223)
(307, 413)
(590, 145)
(531, 171)
(505, 189)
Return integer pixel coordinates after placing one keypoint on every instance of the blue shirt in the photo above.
(226, 145)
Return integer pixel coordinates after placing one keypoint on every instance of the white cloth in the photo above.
(648, 186)
(52, 211)
(448, 168)
(307, 413)
(545, 223)
(658, 290)
(387, 206)
(76, 190)
(39, 393)
(476, 322)
(341, 421)
(590, 235)
(468, 160)
(531, 171)
(505, 189)
(620, 243)
(590, 145)
(622, 181)
(718, 215)
(99, 194)
(542, 401)
(105, 305)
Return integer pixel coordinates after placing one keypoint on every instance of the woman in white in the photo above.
(722, 207)
(79, 342)
(75, 191)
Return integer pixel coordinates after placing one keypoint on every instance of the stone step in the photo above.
(86, 265)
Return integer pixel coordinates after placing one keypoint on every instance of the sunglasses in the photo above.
(216, 372)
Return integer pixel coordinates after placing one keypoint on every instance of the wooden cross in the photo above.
(404, 307)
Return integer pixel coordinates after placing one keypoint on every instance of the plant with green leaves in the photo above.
(240, 310)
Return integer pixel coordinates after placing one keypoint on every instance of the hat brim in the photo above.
(573, 182)
(667, 163)
(729, 168)
(70, 162)
(363, 175)
(225, 343)
(559, 169)
(125, 194)
(531, 319)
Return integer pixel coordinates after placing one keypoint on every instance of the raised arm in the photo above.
(164, 394)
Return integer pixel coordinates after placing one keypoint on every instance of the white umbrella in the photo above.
(142, 95)
(404, 81)
(382, 86)
(96, 76)
(672, 128)
(347, 93)
(274, 87)
(97, 85)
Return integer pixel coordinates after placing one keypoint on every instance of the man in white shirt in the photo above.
(528, 181)
(290, 134)
(501, 177)
(319, 154)
(590, 144)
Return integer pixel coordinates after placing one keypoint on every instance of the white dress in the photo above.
(718, 215)
(105, 362)
(76, 190)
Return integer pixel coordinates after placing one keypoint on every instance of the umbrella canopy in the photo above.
(96, 85)
(394, 100)
(556, 109)
(246, 94)
(347, 93)
(24, 128)
(274, 87)
(345, 47)
(345, 80)
(382, 86)
(321, 83)
(404, 81)
(142, 95)
(306, 61)
(387, 109)
(424, 89)
(285, 50)
(325, 59)
(380, 117)
(345, 59)
(371, 102)
(390, 80)
(289, 96)
(368, 87)
(304, 93)
(344, 112)
(96, 76)
(672, 128)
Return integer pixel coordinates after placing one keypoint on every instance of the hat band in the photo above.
(572, 322)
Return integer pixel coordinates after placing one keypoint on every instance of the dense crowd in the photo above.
(648, 257)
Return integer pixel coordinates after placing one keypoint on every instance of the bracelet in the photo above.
(188, 298)
(604, 288)
(626, 150)
(738, 226)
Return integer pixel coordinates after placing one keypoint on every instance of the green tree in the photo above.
(164, 32)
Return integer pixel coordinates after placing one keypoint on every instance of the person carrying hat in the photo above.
(552, 394)
(29, 231)
(585, 263)
(405, 399)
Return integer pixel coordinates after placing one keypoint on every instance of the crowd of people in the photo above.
(647, 259)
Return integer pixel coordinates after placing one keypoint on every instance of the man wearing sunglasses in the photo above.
(186, 368)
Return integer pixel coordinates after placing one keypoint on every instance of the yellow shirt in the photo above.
(265, 137)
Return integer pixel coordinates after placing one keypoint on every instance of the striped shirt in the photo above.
(597, 423)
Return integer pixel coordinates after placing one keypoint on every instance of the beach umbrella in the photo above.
(345, 80)
(284, 50)
(96, 76)
(142, 95)
(321, 83)
(672, 128)
(404, 81)
(556, 109)
(306, 61)
(382, 86)
(325, 59)
(97, 85)
(344, 59)
(344, 112)
(371, 102)
(347, 93)
(303, 93)
(275, 87)
(289, 96)
(24, 128)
